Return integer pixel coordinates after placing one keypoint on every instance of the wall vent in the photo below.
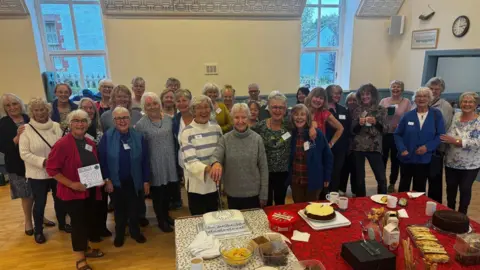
(211, 69)
(379, 8)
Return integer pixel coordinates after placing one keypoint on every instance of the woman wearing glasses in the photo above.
(105, 88)
(125, 166)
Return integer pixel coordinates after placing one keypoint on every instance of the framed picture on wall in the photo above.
(425, 39)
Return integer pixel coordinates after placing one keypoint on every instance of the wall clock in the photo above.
(460, 26)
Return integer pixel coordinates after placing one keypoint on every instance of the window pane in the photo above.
(329, 27)
(94, 69)
(68, 71)
(307, 68)
(88, 21)
(312, 2)
(58, 27)
(326, 68)
(330, 2)
(309, 27)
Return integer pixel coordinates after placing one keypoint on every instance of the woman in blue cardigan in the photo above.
(417, 138)
(311, 162)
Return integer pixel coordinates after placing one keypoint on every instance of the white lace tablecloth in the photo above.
(186, 230)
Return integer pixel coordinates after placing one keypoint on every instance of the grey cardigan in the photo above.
(245, 167)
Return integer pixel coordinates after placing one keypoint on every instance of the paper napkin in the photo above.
(415, 194)
(402, 213)
(300, 236)
(205, 246)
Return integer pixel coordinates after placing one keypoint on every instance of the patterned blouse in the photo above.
(276, 147)
(467, 156)
(369, 138)
(299, 169)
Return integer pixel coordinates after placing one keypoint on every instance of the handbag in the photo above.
(34, 129)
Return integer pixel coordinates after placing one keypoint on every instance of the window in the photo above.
(320, 42)
(73, 41)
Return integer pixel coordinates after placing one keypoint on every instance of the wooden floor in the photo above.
(18, 251)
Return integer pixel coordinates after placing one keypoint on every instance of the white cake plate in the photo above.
(339, 221)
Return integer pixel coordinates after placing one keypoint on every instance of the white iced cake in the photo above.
(224, 222)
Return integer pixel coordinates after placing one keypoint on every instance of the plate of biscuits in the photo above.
(428, 244)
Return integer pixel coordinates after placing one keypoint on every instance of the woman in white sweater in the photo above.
(35, 144)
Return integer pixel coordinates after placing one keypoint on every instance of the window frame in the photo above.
(318, 49)
(49, 55)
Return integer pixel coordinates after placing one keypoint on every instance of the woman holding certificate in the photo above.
(69, 157)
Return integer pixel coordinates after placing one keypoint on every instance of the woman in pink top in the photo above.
(396, 106)
(317, 103)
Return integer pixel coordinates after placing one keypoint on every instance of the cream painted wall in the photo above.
(407, 64)
(19, 70)
(266, 52)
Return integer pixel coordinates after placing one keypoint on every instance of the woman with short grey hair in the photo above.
(121, 96)
(228, 95)
(35, 144)
(461, 160)
(245, 153)
(138, 88)
(435, 178)
(173, 84)
(156, 128)
(167, 97)
(105, 88)
(220, 112)
(198, 142)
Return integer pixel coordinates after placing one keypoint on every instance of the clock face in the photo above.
(460, 26)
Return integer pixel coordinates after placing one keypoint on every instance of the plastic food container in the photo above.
(237, 253)
(308, 265)
(467, 249)
(274, 253)
(282, 221)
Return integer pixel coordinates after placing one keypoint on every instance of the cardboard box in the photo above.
(391, 234)
(359, 258)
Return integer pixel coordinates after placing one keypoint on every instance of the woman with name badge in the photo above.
(417, 137)
(74, 164)
(310, 161)
(220, 113)
(396, 106)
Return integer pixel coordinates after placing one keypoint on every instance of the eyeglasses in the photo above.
(278, 108)
(78, 121)
(123, 118)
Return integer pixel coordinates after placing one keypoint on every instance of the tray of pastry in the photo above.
(428, 244)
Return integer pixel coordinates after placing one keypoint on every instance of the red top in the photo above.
(321, 119)
(65, 159)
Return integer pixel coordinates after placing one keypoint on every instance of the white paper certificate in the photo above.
(91, 176)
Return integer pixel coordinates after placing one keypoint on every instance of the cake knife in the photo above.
(219, 198)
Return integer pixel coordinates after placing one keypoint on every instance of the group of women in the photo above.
(146, 144)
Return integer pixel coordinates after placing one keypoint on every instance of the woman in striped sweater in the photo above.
(198, 141)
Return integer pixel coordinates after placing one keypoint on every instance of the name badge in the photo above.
(89, 136)
(411, 123)
(306, 146)
(286, 136)
(218, 110)
(199, 136)
(126, 146)
(342, 117)
(88, 147)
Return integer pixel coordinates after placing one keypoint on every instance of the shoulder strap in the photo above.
(34, 129)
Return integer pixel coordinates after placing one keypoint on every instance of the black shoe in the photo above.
(40, 238)
(170, 221)
(66, 228)
(49, 223)
(143, 222)
(119, 240)
(140, 239)
(106, 233)
(165, 227)
(29, 232)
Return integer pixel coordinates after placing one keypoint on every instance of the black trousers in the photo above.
(339, 158)
(348, 170)
(175, 193)
(389, 147)
(160, 200)
(463, 180)
(435, 179)
(104, 207)
(376, 163)
(243, 203)
(416, 172)
(277, 188)
(40, 190)
(200, 204)
(86, 218)
(142, 205)
(126, 202)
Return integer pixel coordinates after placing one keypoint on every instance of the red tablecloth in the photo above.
(325, 246)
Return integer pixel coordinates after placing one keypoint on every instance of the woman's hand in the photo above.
(448, 139)
(146, 188)
(371, 120)
(20, 130)
(325, 184)
(312, 133)
(216, 172)
(108, 186)
(404, 153)
(263, 203)
(421, 150)
(362, 121)
(77, 186)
